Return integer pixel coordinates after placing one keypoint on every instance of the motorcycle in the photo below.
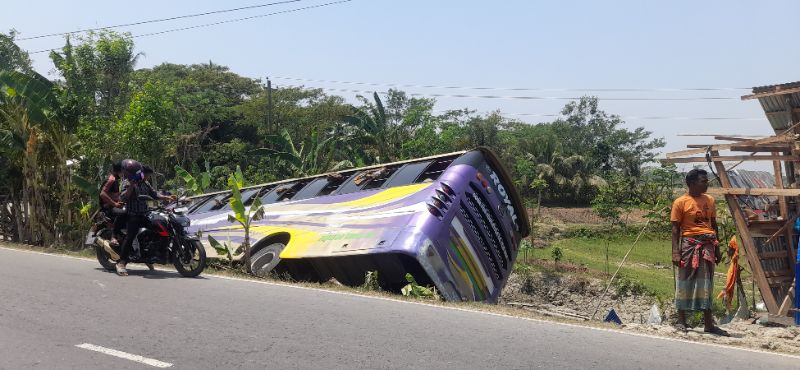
(162, 241)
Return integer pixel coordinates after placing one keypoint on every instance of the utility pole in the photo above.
(269, 105)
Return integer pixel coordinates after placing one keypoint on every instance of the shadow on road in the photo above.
(147, 274)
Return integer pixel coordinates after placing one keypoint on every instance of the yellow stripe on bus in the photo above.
(386, 195)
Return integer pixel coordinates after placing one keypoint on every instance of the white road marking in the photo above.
(125, 355)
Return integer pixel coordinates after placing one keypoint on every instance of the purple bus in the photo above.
(453, 221)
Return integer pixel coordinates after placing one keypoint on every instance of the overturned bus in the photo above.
(453, 221)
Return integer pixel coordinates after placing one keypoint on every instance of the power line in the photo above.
(223, 22)
(157, 20)
(449, 87)
(437, 95)
(642, 118)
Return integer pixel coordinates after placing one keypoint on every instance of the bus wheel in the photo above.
(265, 259)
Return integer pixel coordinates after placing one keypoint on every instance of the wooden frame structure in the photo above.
(770, 245)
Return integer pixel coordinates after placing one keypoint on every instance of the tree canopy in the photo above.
(58, 138)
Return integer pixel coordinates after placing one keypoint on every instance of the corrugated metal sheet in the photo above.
(778, 107)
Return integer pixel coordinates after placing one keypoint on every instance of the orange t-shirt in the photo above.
(694, 214)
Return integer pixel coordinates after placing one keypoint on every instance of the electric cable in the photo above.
(221, 22)
(156, 20)
(451, 87)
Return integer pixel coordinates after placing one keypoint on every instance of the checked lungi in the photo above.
(695, 282)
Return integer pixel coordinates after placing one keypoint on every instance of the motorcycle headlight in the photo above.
(183, 221)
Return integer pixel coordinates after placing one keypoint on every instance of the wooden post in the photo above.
(751, 250)
(784, 210)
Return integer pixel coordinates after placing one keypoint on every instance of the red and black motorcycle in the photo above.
(162, 241)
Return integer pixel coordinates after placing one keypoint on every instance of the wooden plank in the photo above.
(785, 227)
(710, 135)
(777, 273)
(774, 92)
(771, 139)
(787, 302)
(793, 110)
(750, 249)
(772, 147)
(732, 158)
(780, 280)
(754, 191)
(732, 138)
(778, 254)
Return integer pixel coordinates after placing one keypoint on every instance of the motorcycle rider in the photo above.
(110, 203)
(136, 208)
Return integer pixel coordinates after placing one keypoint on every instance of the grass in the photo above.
(648, 266)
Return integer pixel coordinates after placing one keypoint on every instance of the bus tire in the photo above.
(265, 259)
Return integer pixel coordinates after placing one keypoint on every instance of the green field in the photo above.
(648, 264)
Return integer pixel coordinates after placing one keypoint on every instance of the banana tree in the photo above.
(26, 109)
(195, 184)
(313, 156)
(243, 215)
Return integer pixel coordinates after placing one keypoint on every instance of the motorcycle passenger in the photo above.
(110, 203)
(136, 208)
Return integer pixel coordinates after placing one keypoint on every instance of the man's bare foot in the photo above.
(121, 271)
(717, 331)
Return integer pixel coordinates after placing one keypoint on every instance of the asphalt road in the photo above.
(51, 304)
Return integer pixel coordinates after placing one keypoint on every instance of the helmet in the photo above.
(132, 170)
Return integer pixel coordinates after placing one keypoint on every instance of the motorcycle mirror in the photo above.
(181, 192)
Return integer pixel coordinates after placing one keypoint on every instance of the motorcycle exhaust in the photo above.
(107, 247)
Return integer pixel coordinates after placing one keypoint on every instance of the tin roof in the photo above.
(781, 103)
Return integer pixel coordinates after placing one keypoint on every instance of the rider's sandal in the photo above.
(150, 266)
(121, 271)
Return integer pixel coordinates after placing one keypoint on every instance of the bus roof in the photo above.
(292, 180)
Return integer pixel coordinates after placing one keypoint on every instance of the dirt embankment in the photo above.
(574, 296)
(582, 216)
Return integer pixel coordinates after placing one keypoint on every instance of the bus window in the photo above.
(249, 194)
(407, 174)
(288, 192)
(376, 178)
(213, 203)
(334, 182)
(197, 202)
(434, 170)
(368, 179)
(247, 198)
(272, 195)
(312, 189)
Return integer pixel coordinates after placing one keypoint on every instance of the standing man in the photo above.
(695, 250)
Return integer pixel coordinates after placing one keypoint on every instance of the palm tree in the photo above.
(568, 177)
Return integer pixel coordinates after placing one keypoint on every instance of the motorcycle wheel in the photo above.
(190, 258)
(102, 256)
(265, 259)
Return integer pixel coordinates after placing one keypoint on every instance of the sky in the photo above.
(554, 49)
